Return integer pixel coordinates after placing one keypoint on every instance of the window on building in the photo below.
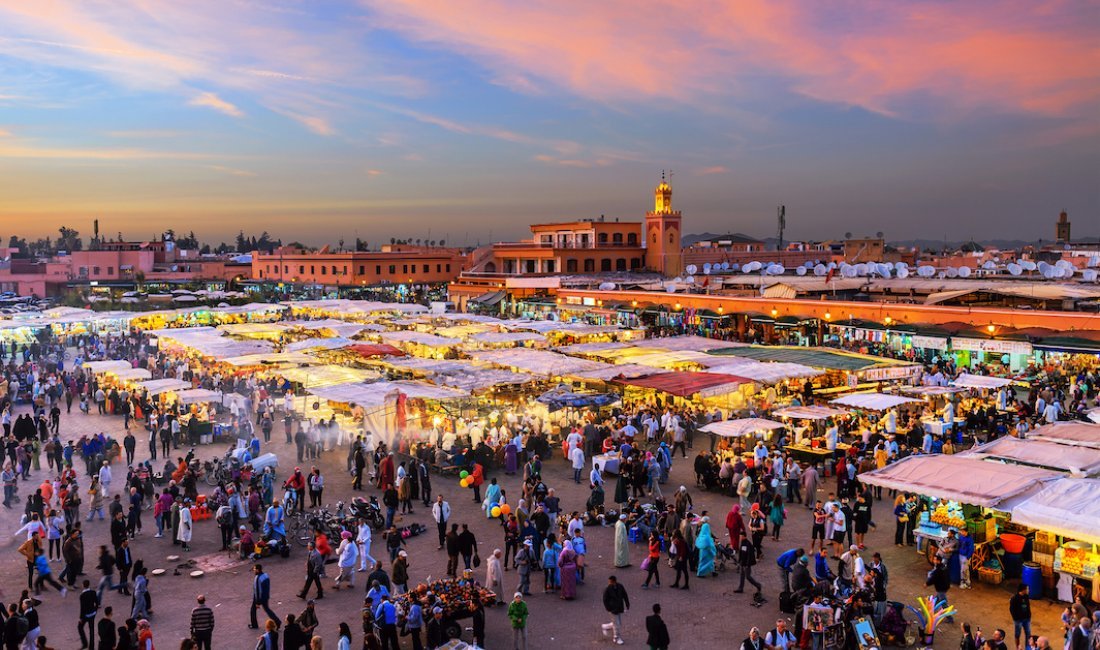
(83, 272)
(404, 268)
(602, 238)
(324, 270)
(95, 270)
(334, 270)
(632, 239)
(549, 266)
(362, 269)
(312, 271)
(670, 238)
(617, 238)
(605, 264)
(438, 268)
(286, 269)
(570, 266)
(378, 269)
(448, 268)
(589, 266)
(393, 269)
(531, 266)
(301, 269)
(635, 263)
(110, 270)
(426, 268)
(654, 238)
(620, 264)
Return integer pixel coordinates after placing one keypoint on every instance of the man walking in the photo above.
(89, 607)
(517, 614)
(202, 624)
(1020, 609)
(261, 595)
(441, 512)
(315, 568)
(656, 631)
(615, 601)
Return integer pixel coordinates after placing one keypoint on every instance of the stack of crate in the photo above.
(1042, 553)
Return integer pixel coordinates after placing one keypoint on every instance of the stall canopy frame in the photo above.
(686, 384)
(970, 480)
(1068, 507)
(873, 401)
(742, 427)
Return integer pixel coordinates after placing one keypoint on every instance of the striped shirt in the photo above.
(202, 619)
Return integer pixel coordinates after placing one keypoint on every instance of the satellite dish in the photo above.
(746, 269)
(1048, 272)
(607, 286)
(964, 272)
(952, 272)
(671, 288)
(1094, 261)
(884, 269)
(832, 265)
(820, 269)
(926, 271)
(690, 279)
(780, 269)
(691, 269)
(900, 265)
(1043, 266)
(903, 272)
(989, 266)
(808, 265)
(1089, 275)
(732, 267)
(725, 266)
(1028, 265)
(800, 271)
(848, 272)
(1014, 269)
(886, 274)
(706, 268)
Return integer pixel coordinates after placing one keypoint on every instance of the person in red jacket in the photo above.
(476, 478)
(735, 526)
(653, 560)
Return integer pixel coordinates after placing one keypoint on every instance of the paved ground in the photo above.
(709, 615)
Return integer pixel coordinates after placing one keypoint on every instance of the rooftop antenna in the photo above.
(782, 225)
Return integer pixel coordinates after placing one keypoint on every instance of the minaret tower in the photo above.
(663, 253)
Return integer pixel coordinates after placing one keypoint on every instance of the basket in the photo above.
(990, 576)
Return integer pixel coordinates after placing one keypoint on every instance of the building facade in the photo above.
(391, 265)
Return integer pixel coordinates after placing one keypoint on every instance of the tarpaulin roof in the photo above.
(270, 359)
(1040, 453)
(1069, 507)
(692, 342)
(966, 380)
(742, 427)
(158, 386)
(537, 362)
(815, 357)
(625, 370)
(195, 395)
(507, 337)
(420, 338)
(338, 327)
(1078, 434)
(768, 373)
(374, 394)
(563, 397)
(873, 401)
(127, 374)
(966, 479)
(808, 412)
(334, 343)
(327, 375)
(376, 350)
(98, 367)
(686, 384)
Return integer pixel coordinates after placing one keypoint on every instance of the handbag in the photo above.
(477, 561)
(645, 564)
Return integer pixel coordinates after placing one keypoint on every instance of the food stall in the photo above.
(1067, 512)
(809, 445)
(972, 491)
(709, 389)
(740, 428)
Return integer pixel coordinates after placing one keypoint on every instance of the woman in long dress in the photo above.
(622, 544)
(492, 498)
(567, 570)
(622, 483)
(184, 534)
(704, 541)
(510, 459)
(735, 526)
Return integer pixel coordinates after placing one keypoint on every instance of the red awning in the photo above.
(683, 384)
(376, 350)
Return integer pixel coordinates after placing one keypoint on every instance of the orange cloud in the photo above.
(210, 100)
(885, 57)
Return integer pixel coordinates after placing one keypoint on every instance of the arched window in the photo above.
(491, 267)
(602, 238)
(605, 264)
(635, 263)
(654, 238)
(570, 266)
(617, 238)
(589, 266)
(620, 264)
(632, 239)
(670, 236)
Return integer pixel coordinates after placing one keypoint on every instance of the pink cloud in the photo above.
(886, 57)
(716, 169)
(211, 100)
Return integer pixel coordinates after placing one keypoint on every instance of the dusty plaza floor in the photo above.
(709, 615)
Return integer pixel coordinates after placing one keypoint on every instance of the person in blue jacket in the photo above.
(786, 562)
(965, 551)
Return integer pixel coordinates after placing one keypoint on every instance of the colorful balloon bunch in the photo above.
(931, 613)
(464, 479)
(501, 511)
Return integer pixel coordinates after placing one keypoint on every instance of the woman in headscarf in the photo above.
(622, 544)
(510, 458)
(704, 542)
(492, 498)
(622, 483)
(567, 570)
(735, 526)
(386, 472)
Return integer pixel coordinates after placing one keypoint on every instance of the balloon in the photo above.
(464, 482)
(463, 474)
(505, 508)
(495, 511)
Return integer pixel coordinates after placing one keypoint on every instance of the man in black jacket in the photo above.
(1020, 609)
(615, 601)
(746, 557)
(89, 607)
(940, 580)
(108, 634)
(656, 630)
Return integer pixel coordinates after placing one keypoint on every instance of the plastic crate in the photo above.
(990, 576)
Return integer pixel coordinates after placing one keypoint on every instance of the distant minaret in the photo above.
(662, 232)
(1061, 235)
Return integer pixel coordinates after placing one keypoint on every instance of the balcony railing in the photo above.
(570, 244)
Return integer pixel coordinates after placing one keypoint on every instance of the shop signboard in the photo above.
(889, 373)
(929, 342)
(992, 345)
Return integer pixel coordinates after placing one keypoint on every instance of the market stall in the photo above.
(1074, 434)
(1068, 512)
(1078, 461)
(873, 401)
(742, 427)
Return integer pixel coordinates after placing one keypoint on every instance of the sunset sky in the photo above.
(467, 120)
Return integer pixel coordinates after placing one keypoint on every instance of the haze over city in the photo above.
(321, 121)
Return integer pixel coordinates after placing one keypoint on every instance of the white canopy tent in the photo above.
(591, 348)
(765, 372)
(626, 371)
(1076, 434)
(374, 394)
(198, 395)
(100, 367)
(873, 401)
(966, 479)
(1069, 507)
(337, 327)
(326, 375)
(419, 338)
(742, 427)
(158, 386)
(693, 343)
(537, 362)
(131, 374)
(270, 359)
(809, 412)
(334, 343)
(932, 390)
(498, 338)
(965, 380)
(1081, 461)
